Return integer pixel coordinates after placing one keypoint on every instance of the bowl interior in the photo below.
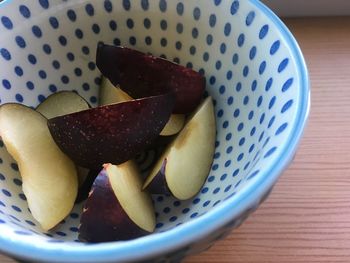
(48, 46)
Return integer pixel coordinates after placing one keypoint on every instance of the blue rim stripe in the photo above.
(160, 243)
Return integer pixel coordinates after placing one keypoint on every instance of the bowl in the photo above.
(255, 73)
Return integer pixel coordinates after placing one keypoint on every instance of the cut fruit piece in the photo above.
(49, 177)
(62, 103)
(110, 94)
(117, 208)
(112, 133)
(142, 75)
(185, 164)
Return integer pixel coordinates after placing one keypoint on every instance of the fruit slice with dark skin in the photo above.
(142, 75)
(185, 164)
(110, 94)
(62, 103)
(112, 133)
(117, 208)
(86, 185)
(49, 177)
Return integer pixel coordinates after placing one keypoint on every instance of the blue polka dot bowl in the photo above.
(255, 73)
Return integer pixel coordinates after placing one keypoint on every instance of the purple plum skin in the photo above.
(103, 218)
(113, 133)
(158, 185)
(141, 75)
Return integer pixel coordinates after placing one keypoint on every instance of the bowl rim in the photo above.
(170, 240)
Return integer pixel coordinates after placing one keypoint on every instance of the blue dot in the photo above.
(281, 128)
(19, 71)
(116, 41)
(270, 152)
(62, 40)
(229, 149)
(16, 208)
(6, 84)
(245, 71)
(19, 97)
(286, 106)
(74, 229)
(251, 148)
(97, 81)
(240, 40)
(54, 22)
(222, 48)
(266, 142)
(89, 9)
(20, 41)
(252, 53)
(144, 4)
(283, 65)
(211, 179)
(217, 2)
(254, 85)
(250, 115)
(71, 15)
(148, 40)
(177, 203)
(30, 85)
(223, 177)
(24, 10)
(196, 13)
(178, 45)
(212, 80)
(275, 46)
(261, 136)
(95, 28)
(287, 85)
(74, 215)
(113, 25)
(263, 31)
(196, 200)
(235, 59)
(238, 86)
(173, 218)
(252, 131)
(194, 32)
(228, 163)
(240, 127)
(130, 23)
(132, 41)
(241, 141)
(86, 86)
(42, 74)
(159, 225)
(179, 28)
(234, 7)
(126, 5)
(262, 118)
(186, 210)
(163, 42)
(240, 157)
(65, 79)
(216, 190)
(37, 31)
(212, 20)
(229, 75)
(44, 4)
(78, 72)
(217, 155)
(2, 177)
(2, 221)
(52, 88)
(227, 29)
(56, 64)
(206, 203)
(262, 67)
(70, 56)
(222, 89)
(17, 181)
(163, 24)
(180, 8)
(5, 192)
(14, 167)
(272, 120)
(272, 102)
(259, 102)
(194, 215)
(7, 23)
(204, 190)
(41, 98)
(61, 233)
(93, 99)
(220, 113)
(250, 18)
(206, 56)
(108, 6)
(79, 33)
(215, 167)
(227, 188)
(147, 23)
(22, 196)
(162, 5)
(209, 39)
(228, 136)
(47, 49)
(2, 204)
(30, 222)
(32, 59)
(268, 84)
(5, 54)
(236, 113)
(192, 50)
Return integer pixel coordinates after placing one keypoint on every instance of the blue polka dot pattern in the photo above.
(249, 68)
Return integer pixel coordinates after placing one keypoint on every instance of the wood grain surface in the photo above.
(307, 217)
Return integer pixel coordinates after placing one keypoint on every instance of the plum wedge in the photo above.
(185, 164)
(141, 75)
(49, 177)
(110, 94)
(113, 133)
(117, 208)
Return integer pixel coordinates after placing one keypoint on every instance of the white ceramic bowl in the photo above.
(255, 72)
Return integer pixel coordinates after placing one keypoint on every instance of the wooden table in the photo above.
(307, 217)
